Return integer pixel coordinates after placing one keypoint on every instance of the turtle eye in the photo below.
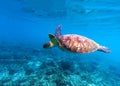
(46, 45)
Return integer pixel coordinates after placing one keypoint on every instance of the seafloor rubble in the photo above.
(29, 66)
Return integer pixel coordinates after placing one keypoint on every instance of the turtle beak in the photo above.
(46, 45)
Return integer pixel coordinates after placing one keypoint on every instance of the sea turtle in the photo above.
(73, 43)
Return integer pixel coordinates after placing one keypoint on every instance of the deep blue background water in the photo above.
(97, 19)
(102, 24)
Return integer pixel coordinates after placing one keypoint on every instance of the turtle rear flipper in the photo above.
(104, 49)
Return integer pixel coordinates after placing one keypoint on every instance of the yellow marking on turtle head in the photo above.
(51, 44)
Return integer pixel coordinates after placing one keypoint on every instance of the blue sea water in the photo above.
(24, 28)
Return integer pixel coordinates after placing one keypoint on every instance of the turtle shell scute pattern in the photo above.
(77, 43)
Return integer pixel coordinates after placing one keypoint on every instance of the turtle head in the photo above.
(53, 41)
(53, 38)
(48, 45)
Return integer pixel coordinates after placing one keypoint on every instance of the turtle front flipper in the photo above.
(58, 31)
(53, 39)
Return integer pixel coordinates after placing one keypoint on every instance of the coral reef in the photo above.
(24, 66)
